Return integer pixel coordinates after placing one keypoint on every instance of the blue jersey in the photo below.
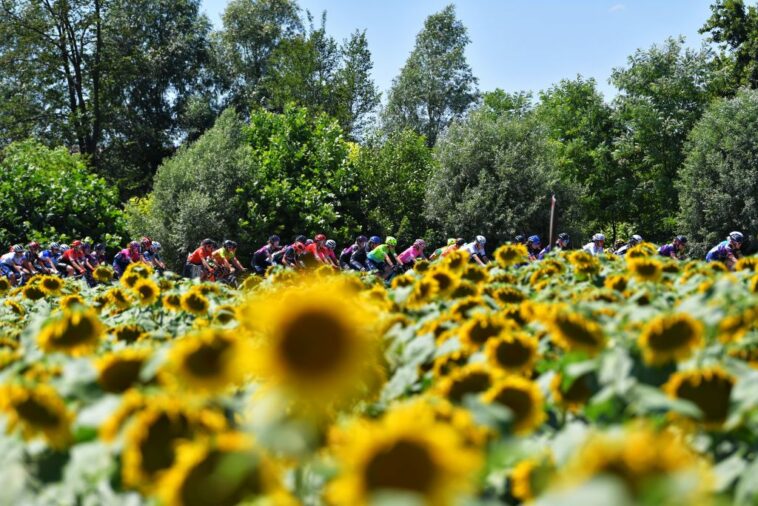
(667, 249)
(544, 252)
(720, 252)
(50, 254)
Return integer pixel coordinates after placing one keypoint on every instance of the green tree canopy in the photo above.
(436, 84)
(734, 27)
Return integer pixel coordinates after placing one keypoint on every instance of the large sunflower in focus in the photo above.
(709, 389)
(513, 352)
(75, 332)
(409, 452)
(38, 410)
(668, 338)
(317, 342)
(511, 254)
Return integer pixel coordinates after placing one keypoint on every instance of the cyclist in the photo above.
(347, 253)
(36, 261)
(154, 258)
(290, 255)
(438, 252)
(632, 242)
(12, 264)
(198, 265)
(145, 245)
(50, 256)
(533, 246)
(596, 246)
(519, 239)
(727, 251)
(263, 258)
(674, 250)
(330, 255)
(381, 257)
(128, 255)
(560, 244)
(359, 257)
(408, 257)
(226, 258)
(315, 251)
(476, 251)
(73, 258)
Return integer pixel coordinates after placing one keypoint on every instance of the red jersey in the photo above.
(196, 257)
(73, 254)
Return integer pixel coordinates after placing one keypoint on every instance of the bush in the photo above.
(50, 194)
(719, 181)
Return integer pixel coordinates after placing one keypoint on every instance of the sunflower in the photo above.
(118, 371)
(251, 282)
(316, 341)
(530, 477)
(103, 274)
(640, 459)
(573, 332)
(424, 291)
(471, 379)
(746, 264)
(475, 274)
(584, 263)
(407, 451)
(523, 399)
(172, 302)
(5, 285)
(709, 389)
(17, 308)
(118, 298)
(480, 328)
(225, 314)
(194, 478)
(75, 332)
(403, 280)
(455, 261)
(51, 285)
(209, 361)
(574, 396)
(507, 295)
(8, 356)
(461, 309)
(511, 254)
(669, 338)
(733, 328)
(464, 289)
(140, 269)
(37, 410)
(446, 280)
(617, 282)
(32, 291)
(513, 352)
(147, 291)
(129, 279)
(193, 301)
(542, 275)
(505, 278)
(71, 301)
(642, 250)
(646, 269)
(129, 332)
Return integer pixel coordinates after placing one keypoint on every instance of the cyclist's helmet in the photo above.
(133, 244)
(77, 243)
(320, 237)
(230, 244)
(274, 238)
(146, 242)
(460, 242)
(156, 246)
(206, 242)
(737, 237)
(331, 244)
(65, 247)
(481, 239)
(451, 241)
(598, 237)
(420, 243)
(681, 238)
(33, 245)
(55, 245)
(375, 239)
(519, 239)
(17, 248)
(534, 239)
(361, 239)
(635, 239)
(308, 242)
(390, 241)
(101, 247)
(299, 247)
(301, 239)
(564, 237)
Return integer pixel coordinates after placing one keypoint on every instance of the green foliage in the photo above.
(494, 177)
(436, 84)
(393, 175)
(734, 27)
(719, 180)
(49, 194)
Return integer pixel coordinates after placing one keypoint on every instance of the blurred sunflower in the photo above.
(147, 291)
(251, 282)
(523, 399)
(118, 371)
(225, 314)
(129, 279)
(746, 264)
(118, 298)
(584, 263)
(140, 269)
(51, 285)
(646, 269)
(513, 352)
(480, 328)
(507, 295)
(464, 289)
(209, 361)
(573, 397)
(505, 278)
(75, 332)
(573, 332)
(5, 285)
(316, 341)
(406, 279)
(530, 477)
(129, 332)
(15, 307)
(37, 410)
(201, 474)
(444, 364)
(32, 291)
(617, 282)
(733, 328)
(709, 389)
(471, 379)
(424, 291)
(475, 274)
(642, 250)
(172, 302)
(670, 337)
(461, 309)
(103, 274)
(446, 280)
(71, 301)
(407, 451)
(456, 261)
(194, 301)
(511, 254)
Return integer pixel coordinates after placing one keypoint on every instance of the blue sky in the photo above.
(515, 45)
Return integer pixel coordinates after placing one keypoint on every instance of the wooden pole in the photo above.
(552, 217)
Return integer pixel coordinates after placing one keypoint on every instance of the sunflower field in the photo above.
(573, 380)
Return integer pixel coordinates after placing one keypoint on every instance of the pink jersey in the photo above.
(410, 254)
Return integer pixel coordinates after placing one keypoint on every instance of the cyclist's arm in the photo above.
(478, 260)
(238, 265)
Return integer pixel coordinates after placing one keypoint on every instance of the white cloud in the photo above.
(617, 8)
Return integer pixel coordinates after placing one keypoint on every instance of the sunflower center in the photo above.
(120, 375)
(37, 414)
(76, 330)
(402, 466)
(222, 479)
(516, 400)
(513, 353)
(472, 383)
(129, 333)
(314, 344)
(579, 392)
(481, 331)
(207, 359)
(575, 331)
(444, 281)
(157, 449)
(710, 395)
(673, 336)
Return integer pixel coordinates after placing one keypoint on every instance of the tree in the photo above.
(49, 194)
(494, 176)
(436, 84)
(734, 28)
(719, 180)
(393, 174)
(358, 96)
(662, 93)
(581, 129)
(109, 78)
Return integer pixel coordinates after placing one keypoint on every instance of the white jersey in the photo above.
(592, 249)
(473, 248)
(11, 259)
